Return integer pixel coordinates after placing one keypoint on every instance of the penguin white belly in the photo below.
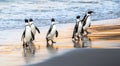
(33, 29)
(87, 23)
(28, 35)
(52, 33)
(79, 28)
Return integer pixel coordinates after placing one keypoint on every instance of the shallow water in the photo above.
(13, 12)
(14, 55)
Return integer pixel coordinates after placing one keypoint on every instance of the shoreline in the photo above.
(98, 31)
(101, 37)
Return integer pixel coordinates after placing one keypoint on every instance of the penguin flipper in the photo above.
(89, 24)
(56, 33)
(82, 31)
(75, 30)
(84, 18)
(33, 37)
(84, 22)
(23, 35)
(37, 29)
(49, 30)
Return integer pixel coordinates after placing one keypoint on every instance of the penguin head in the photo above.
(90, 12)
(53, 21)
(26, 20)
(78, 18)
(30, 21)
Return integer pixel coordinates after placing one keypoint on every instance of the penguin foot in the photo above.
(72, 37)
(75, 39)
(47, 45)
(23, 45)
(53, 42)
(89, 33)
(27, 45)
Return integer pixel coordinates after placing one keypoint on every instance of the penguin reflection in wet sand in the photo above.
(87, 21)
(52, 32)
(27, 36)
(33, 27)
(78, 29)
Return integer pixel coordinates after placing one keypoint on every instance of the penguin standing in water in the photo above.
(87, 21)
(33, 27)
(52, 32)
(27, 36)
(78, 29)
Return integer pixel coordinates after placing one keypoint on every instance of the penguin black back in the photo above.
(84, 20)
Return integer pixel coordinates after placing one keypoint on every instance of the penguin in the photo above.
(86, 21)
(27, 35)
(78, 29)
(52, 32)
(33, 27)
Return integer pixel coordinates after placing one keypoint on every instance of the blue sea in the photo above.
(13, 12)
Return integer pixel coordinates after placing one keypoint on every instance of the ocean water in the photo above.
(13, 12)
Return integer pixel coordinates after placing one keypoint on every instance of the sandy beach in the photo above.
(101, 47)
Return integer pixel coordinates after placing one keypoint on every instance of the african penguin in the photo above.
(52, 32)
(27, 35)
(33, 27)
(87, 21)
(78, 29)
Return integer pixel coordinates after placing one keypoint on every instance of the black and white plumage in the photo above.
(33, 27)
(52, 32)
(27, 35)
(78, 29)
(87, 21)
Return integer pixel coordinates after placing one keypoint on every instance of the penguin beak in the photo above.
(93, 12)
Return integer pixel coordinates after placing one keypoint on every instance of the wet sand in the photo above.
(85, 57)
(104, 34)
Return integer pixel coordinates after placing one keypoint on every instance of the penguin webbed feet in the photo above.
(48, 44)
(76, 37)
(53, 42)
(86, 32)
(72, 37)
(25, 46)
